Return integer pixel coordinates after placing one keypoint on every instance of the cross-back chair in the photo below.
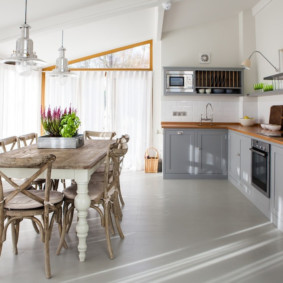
(21, 203)
(26, 140)
(91, 135)
(104, 199)
(8, 144)
(98, 175)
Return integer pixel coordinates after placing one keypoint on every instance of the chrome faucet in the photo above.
(206, 119)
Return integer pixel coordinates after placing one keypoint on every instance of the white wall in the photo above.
(182, 48)
(269, 39)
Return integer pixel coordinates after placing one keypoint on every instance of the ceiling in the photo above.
(48, 17)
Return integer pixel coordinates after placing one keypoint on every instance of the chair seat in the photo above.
(22, 202)
(95, 191)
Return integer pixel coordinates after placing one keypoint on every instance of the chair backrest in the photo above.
(91, 135)
(27, 139)
(121, 150)
(42, 163)
(8, 144)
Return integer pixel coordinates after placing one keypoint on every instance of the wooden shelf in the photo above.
(265, 93)
(230, 79)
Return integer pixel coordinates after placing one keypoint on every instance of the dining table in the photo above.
(76, 164)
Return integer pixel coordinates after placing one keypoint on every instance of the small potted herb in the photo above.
(61, 128)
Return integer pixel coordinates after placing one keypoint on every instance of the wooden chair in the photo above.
(22, 203)
(98, 175)
(8, 144)
(91, 135)
(104, 199)
(27, 139)
(24, 141)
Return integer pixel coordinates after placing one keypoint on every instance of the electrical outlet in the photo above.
(179, 113)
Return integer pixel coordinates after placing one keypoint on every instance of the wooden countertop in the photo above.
(251, 131)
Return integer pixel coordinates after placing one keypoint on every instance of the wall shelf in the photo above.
(221, 81)
(266, 93)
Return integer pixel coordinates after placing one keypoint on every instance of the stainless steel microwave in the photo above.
(179, 81)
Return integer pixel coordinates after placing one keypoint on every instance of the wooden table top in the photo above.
(84, 157)
(253, 131)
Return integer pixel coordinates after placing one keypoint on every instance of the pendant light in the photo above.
(23, 57)
(61, 69)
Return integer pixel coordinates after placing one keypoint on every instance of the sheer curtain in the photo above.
(61, 92)
(132, 95)
(20, 98)
(119, 101)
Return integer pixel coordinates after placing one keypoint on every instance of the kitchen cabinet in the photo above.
(192, 153)
(220, 81)
(276, 186)
(240, 161)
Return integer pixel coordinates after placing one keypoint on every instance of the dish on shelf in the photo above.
(264, 126)
(273, 127)
(229, 91)
(201, 90)
(218, 90)
(208, 90)
(247, 122)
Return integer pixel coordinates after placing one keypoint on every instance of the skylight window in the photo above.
(136, 56)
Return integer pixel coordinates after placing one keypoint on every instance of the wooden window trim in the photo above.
(109, 52)
(50, 68)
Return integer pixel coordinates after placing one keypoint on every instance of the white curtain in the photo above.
(132, 92)
(20, 98)
(119, 101)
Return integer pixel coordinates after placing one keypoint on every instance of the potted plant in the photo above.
(61, 128)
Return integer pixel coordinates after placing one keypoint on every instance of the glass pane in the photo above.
(137, 58)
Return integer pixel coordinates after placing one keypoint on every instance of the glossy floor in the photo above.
(175, 231)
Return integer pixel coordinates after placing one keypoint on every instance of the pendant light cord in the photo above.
(26, 12)
(62, 37)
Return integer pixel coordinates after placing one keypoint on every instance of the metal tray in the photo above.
(60, 142)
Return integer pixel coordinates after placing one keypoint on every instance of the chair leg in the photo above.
(107, 234)
(120, 194)
(2, 218)
(116, 212)
(66, 225)
(46, 246)
(14, 237)
(35, 227)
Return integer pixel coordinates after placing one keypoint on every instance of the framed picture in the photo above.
(204, 58)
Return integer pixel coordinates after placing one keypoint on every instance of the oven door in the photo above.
(260, 171)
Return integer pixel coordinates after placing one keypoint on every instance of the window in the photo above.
(137, 57)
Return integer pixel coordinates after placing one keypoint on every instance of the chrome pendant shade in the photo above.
(24, 56)
(61, 68)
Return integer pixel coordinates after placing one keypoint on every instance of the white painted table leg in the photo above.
(82, 203)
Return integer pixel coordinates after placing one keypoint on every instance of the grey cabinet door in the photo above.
(245, 160)
(276, 178)
(234, 156)
(179, 151)
(211, 152)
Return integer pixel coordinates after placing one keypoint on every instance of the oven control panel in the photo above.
(263, 146)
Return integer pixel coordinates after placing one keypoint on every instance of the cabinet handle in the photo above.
(180, 132)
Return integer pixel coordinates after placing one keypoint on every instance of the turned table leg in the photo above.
(82, 203)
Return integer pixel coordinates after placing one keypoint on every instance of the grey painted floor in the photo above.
(176, 231)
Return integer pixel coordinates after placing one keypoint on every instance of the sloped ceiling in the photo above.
(92, 26)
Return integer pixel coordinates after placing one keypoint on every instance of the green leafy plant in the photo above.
(69, 125)
(258, 86)
(57, 123)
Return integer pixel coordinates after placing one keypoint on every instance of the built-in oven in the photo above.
(261, 166)
(179, 81)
